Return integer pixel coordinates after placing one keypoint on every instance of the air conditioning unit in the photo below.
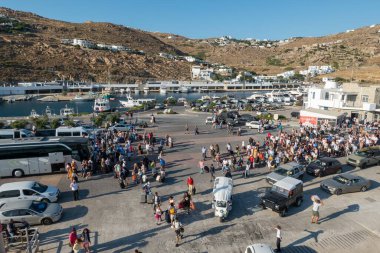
(369, 106)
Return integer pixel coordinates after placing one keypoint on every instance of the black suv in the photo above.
(283, 194)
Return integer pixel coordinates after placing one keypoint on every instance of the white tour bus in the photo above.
(40, 155)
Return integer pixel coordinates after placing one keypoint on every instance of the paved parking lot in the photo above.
(119, 223)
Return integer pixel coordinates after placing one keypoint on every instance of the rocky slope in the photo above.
(36, 52)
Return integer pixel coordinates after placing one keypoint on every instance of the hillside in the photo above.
(32, 50)
(354, 54)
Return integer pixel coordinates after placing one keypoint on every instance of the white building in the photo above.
(224, 71)
(358, 100)
(83, 43)
(202, 74)
(287, 74)
(317, 70)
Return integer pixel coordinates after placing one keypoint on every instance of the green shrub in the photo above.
(19, 124)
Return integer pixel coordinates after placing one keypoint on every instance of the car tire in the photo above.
(300, 177)
(45, 200)
(47, 221)
(299, 202)
(363, 189)
(221, 219)
(363, 166)
(18, 173)
(339, 192)
(282, 213)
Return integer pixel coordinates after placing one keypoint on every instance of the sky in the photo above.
(265, 19)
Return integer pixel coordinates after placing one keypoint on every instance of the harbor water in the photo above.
(23, 108)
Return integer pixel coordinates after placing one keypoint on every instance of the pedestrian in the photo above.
(278, 238)
(77, 245)
(201, 166)
(212, 172)
(178, 228)
(196, 132)
(75, 189)
(204, 150)
(172, 212)
(158, 213)
(86, 240)
(317, 203)
(186, 128)
(137, 251)
(72, 238)
(190, 184)
(156, 201)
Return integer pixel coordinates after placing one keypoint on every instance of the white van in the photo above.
(71, 131)
(28, 190)
(15, 133)
(222, 202)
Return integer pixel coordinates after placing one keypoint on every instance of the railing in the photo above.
(26, 239)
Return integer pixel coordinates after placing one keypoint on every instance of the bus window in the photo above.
(76, 133)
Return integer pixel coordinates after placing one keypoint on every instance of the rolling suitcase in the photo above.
(150, 198)
(167, 216)
(142, 198)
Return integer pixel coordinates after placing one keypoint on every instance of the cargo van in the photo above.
(15, 133)
(71, 131)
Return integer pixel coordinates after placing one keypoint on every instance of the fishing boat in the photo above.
(131, 102)
(66, 111)
(102, 105)
(48, 111)
(82, 98)
(34, 114)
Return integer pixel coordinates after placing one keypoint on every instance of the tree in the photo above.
(298, 77)
(41, 122)
(54, 123)
(19, 124)
(69, 122)
(113, 117)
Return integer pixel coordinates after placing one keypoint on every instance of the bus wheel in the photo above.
(18, 173)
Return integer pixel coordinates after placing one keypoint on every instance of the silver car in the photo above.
(33, 212)
(345, 183)
(291, 169)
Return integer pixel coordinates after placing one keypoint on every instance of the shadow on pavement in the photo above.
(348, 209)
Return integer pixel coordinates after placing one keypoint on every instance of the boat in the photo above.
(131, 102)
(182, 101)
(146, 90)
(183, 89)
(257, 97)
(82, 98)
(102, 105)
(203, 98)
(48, 99)
(34, 114)
(48, 111)
(66, 111)
(215, 97)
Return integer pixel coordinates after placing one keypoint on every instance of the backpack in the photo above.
(172, 210)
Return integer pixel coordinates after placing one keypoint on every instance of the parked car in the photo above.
(28, 190)
(365, 157)
(345, 183)
(159, 106)
(253, 124)
(283, 194)
(291, 169)
(295, 114)
(209, 120)
(30, 211)
(120, 127)
(259, 248)
(324, 166)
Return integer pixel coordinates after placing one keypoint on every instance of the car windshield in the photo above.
(280, 191)
(39, 187)
(320, 163)
(282, 171)
(38, 207)
(341, 180)
(221, 203)
(361, 153)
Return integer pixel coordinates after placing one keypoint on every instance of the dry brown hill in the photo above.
(354, 54)
(32, 50)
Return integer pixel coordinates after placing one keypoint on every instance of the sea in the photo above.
(24, 108)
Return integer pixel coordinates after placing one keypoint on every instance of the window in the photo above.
(365, 98)
(327, 96)
(10, 194)
(313, 95)
(10, 213)
(23, 212)
(29, 192)
(76, 133)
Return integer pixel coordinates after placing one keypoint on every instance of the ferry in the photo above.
(131, 102)
(102, 105)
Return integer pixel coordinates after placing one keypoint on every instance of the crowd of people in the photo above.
(136, 159)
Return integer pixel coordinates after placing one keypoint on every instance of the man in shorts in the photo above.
(315, 210)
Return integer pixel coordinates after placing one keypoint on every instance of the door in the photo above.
(28, 216)
(31, 195)
(328, 168)
(56, 162)
(355, 185)
(33, 166)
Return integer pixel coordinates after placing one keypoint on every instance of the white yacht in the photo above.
(275, 96)
(131, 102)
(82, 98)
(146, 90)
(102, 105)
(183, 89)
(66, 111)
(257, 97)
(34, 114)
(48, 111)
